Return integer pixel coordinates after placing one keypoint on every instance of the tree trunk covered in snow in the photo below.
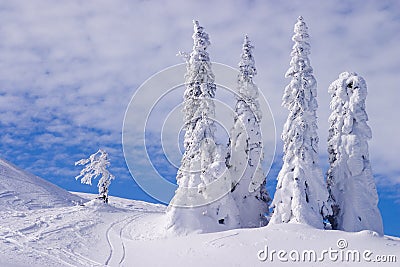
(202, 201)
(352, 191)
(300, 192)
(246, 147)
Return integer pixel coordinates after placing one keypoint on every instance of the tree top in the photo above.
(300, 26)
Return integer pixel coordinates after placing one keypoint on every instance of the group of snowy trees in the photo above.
(348, 200)
(219, 189)
(223, 187)
(224, 190)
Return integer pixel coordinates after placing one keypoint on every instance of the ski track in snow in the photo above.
(116, 243)
(120, 241)
(59, 236)
(214, 241)
(102, 235)
(60, 256)
(43, 228)
(24, 247)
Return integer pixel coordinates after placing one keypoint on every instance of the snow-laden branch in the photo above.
(96, 165)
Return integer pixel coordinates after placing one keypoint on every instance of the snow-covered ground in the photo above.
(20, 190)
(43, 225)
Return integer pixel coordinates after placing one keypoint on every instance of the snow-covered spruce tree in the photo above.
(351, 186)
(246, 147)
(301, 192)
(96, 165)
(203, 177)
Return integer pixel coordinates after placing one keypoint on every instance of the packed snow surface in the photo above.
(43, 228)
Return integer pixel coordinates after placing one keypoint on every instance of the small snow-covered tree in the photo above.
(202, 201)
(352, 191)
(246, 147)
(96, 165)
(300, 192)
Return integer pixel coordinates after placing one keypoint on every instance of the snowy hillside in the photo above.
(20, 190)
(47, 231)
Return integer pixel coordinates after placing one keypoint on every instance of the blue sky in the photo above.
(68, 70)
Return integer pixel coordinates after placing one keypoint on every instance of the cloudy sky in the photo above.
(68, 70)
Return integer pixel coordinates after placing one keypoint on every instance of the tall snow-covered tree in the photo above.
(246, 147)
(202, 201)
(352, 191)
(96, 165)
(300, 193)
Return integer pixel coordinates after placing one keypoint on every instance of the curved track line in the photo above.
(121, 237)
(109, 239)
(110, 243)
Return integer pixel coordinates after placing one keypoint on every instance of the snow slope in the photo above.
(89, 235)
(20, 190)
(241, 247)
(132, 233)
